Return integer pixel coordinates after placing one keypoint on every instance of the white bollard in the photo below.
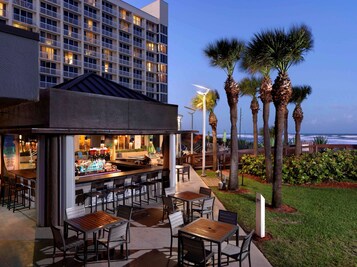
(260, 215)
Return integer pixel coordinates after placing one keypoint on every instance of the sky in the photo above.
(330, 68)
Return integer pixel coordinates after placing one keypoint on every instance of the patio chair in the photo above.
(126, 213)
(176, 222)
(194, 251)
(184, 171)
(171, 191)
(64, 244)
(204, 191)
(149, 183)
(227, 216)
(205, 209)
(239, 253)
(168, 207)
(134, 186)
(80, 197)
(117, 237)
(98, 191)
(117, 190)
(74, 212)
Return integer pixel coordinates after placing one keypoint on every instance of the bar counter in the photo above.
(142, 169)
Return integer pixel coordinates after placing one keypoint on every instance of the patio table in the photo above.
(188, 197)
(210, 230)
(91, 223)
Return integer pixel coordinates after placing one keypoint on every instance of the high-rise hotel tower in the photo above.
(109, 37)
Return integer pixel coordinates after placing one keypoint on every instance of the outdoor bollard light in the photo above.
(260, 215)
(204, 126)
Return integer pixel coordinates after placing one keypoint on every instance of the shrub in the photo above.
(320, 140)
(309, 168)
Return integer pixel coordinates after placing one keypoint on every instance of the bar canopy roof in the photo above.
(90, 104)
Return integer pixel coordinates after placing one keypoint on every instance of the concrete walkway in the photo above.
(24, 244)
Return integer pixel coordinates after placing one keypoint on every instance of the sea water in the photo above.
(342, 139)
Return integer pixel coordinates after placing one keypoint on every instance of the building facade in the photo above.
(108, 37)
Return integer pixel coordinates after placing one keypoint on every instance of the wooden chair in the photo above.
(64, 244)
(239, 253)
(194, 251)
(205, 209)
(117, 237)
(176, 222)
(184, 171)
(227, 216)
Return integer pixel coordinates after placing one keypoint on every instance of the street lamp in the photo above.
(191, 113)
(204, 125)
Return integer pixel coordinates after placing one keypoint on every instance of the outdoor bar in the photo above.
(81, 131)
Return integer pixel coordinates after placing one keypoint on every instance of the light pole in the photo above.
(204, 126)
(191, 113)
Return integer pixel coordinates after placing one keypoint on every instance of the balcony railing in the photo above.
(124, 39)
(138, 55)
(137, 86)
(138, 76)
(91, 27)
(150, 38)
(49, 42)
(110, 34)
(108, 70)
(71, 7)
(57, 2)
(49, 27)
(124, 62)
(70, 74)
(95, 3)
(72, 20)
(47, 84)
(2, 12)
(49, 56)
(151, 79)
(91, 40)
(72, 34)
(50, 13)
(91, 65)
(49, 71)
(124, 73)
(139, 66)
(109, 10)
(109, 58)
(138, 44)
(126, 84)
(23, 19)
(126, 17)
(108, 45)
(72, 48)
(25, 4)
(73, 62)
(124, 50)
(110, 22)
(91, 14)
(138, 33)
(150, 58)
(91, 53)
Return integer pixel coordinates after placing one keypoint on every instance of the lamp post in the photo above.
(204, 126)
(191, 113)
(179, 121)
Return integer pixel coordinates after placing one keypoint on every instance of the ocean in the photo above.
(331, 138)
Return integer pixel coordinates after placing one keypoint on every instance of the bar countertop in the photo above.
(113, 175)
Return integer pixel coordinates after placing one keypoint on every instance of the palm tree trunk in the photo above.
(281, 95)
(255, 133)
(232, 91)
(286, 135)
(278, 157)
(298, 117)
(213, 122)
(267, 145)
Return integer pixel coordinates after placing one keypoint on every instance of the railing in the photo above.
(91, 28)
(25, 4)
(151, 79)
(91, 65)
(138, 44)
(124, 39)
(72, 47)
(72, 20)
(124, 50)
(109, 10)
(23, 19)
(57, 2)
(45, 55)
(124, 62)
(91, 40)
(109, 58)
(49, 71)
(109, 22)
(137, 86)
(125, 84)
(50, 12)
(91, 53)
(73, 62)
(50, 42)
(47, 84)
(49, 27)
(69, 74)
(2, 12)
(125, 29)
(110, 34)
(139, 66)
(72, 34)
(71, 7)
(150, 38)
(124, 73)
(91, 14)
(94, 3)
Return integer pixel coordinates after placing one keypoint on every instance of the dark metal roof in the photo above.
(95, 84)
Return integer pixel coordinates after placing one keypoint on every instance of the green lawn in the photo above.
(323, 231)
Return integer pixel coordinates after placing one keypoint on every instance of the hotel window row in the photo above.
(110, 38)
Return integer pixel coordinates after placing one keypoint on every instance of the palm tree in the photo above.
(225, 54)
(282, 49)
(299, 94)
(212, 98)
(253, 63)
(250, 87)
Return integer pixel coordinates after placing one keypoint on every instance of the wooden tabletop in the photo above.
(210, 230)
(188, 196)
(25, 173)
(93, 222)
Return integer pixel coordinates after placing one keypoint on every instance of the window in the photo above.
(163, 48)
(49, 65)
(70, 42)
(137, 20)
(151, 67)
(107, 76)
(163, 68)
(48, 79)
(90, 60)
(163, 29)
(70, 69)
(163, 59)
(122, 68)
(124, 80)
(163, 88)
(47, 7)
(68, 57)
(163, 39)
(49, 21)
(48, 53)
(150, 46)
(23, 13)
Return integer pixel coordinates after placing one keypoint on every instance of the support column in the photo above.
(40, 191)
(172, 160)
(68, 172)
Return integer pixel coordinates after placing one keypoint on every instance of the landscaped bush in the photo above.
(309, 168)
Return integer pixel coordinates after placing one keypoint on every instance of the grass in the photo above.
(322, 232)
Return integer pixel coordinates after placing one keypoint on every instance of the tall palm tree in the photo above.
(299, 94)
(212, 98)
(225, 54)
(250, 87)
(253, 63)
(283, 49)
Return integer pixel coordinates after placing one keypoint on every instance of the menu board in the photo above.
(9, 152)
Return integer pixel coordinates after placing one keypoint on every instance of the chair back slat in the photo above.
(124, 212)
(176, 219)
(170, 191)
(205, 191)
(208, 203)
(228, 217)
(245, 248)
(76, 211)
(194, 247)
(58, 237)
(118, 232)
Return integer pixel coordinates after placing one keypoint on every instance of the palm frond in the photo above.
(300, 93)
(250, 86)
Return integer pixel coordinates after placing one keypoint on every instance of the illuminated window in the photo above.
(149, 66)
(90, 24)
(137, 20)
(16, 25)
(106, 66)
(123, 14)
(2, 10)
(163, 48)
(48, 52)
(68, 57)
(163, 68)
(150, 46)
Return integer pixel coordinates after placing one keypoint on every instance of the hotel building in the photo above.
(109, 37)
